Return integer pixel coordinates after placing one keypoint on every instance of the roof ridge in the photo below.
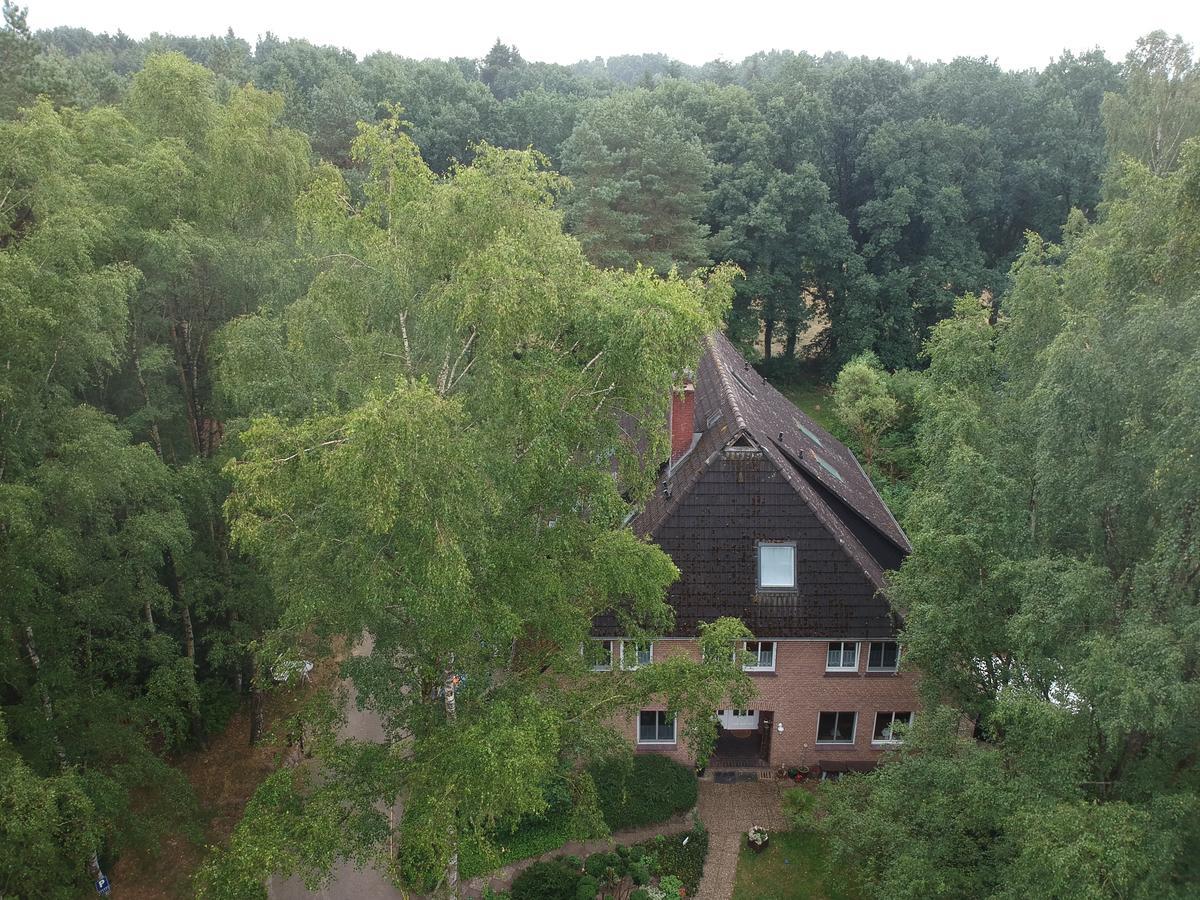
(726, 381)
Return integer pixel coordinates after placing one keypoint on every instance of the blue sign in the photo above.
(103, 888)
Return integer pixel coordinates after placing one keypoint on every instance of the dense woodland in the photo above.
(296, 345)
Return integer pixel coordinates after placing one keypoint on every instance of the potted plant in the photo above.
(757, 837)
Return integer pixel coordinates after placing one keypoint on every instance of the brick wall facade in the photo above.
(796, 693)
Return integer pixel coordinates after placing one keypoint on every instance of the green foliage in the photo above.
(681, 856)
(546, 881)
(588, 888)
(1049, 595)
(864, 404)
(639, 174)
(643, 790)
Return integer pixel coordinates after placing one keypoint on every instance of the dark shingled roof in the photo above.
(742, 483)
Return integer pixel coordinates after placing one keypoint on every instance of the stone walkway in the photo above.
(728, 811)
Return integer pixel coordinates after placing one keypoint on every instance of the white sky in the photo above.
(1016, 33)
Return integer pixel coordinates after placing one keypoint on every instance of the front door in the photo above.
(765, 722)
(738, 719)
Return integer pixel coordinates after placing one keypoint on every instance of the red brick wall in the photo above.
(797, 692)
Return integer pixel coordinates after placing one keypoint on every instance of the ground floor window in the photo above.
(885, 722)
(655, 727)
(836, 727)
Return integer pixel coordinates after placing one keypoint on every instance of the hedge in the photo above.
(546, 881)
(652, 791)
(532, 838)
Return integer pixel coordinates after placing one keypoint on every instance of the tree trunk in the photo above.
(256, 704)
(189, 638)
(93, 863)
(768, 337)
(793, 329)
(452, 864)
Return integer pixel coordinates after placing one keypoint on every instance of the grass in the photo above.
(813, 397)
(795, 866)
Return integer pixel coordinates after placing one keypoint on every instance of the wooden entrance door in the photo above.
(766, 724)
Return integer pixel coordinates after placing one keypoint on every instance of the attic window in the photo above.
(777, 566)
(812, 437)
(712, 420)
(828, 468)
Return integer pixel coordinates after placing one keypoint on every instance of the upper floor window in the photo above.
(883, 657)
(600, 655)
(762, 656)
(885, 722)
(777, 566)
(635, 654)
(836, 727)
(655, 727)
(842, 657)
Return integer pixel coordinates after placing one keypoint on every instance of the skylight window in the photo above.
(812, 437)
(828, 468)
(745, 387)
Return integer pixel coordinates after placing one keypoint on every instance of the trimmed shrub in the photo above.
(599, 863)
(639, 872)
(640, 894)
(650, 790)
(546, 881)
(588, 888)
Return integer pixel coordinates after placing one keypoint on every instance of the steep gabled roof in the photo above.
(734, 405)
(818, 455)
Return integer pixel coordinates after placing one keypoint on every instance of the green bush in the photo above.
(599, 863)
(671, 856)
(573, 861)
(671, 886)
(650, 790)
(639, 872)
(546, 881)
(532, 838)
(588, 888)
(640, 894)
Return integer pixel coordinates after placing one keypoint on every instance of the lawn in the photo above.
(814, 398)
(795, 866)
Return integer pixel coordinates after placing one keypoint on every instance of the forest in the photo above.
(297, 346)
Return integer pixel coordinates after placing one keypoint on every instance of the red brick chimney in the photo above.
(683, 419)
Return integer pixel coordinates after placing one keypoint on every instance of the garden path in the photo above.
(728, 812)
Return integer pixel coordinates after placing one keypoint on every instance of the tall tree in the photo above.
(639, 177)
(1160, 107)
(1051, 594)
(436, 469)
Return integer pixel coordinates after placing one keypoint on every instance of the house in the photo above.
(771, 519)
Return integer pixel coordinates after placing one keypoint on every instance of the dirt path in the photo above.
(728, 811)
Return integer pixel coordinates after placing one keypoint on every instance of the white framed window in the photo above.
(885, 722)
(600, 654)
(762, 656)
(655, 727)
(836, 727)
(884, 656)
(842, 656)
(777, 566)
(635, 654)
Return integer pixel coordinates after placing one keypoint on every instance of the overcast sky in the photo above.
(1016, 33)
